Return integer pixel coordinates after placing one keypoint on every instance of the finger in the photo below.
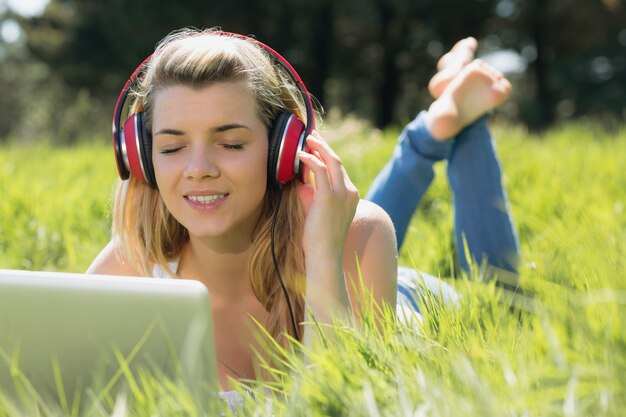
(336, 172)
(320, 172)
(340, 180)
(307, 174)
(339, 177)
(317, 143)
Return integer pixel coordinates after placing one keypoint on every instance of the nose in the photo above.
(201, 164)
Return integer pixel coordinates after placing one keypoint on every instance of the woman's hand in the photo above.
(329, 204)
(329, 207)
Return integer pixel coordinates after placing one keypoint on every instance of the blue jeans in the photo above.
(481, 212)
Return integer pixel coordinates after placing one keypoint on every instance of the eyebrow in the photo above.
(218, 129)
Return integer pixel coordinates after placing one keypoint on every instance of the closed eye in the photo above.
(235, 146)
(170, 150)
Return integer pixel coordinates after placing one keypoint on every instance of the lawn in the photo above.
(560, 350)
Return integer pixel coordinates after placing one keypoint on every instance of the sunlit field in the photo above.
(557, 350)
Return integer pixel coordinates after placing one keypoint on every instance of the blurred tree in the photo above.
(95, 44)
(11, 106)
(21, 77)
(386, 51)
(92, 46)
(371, 57)
(577, 55)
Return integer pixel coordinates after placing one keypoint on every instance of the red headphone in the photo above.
(133, 144)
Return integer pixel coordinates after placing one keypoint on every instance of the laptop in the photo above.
(64, 334)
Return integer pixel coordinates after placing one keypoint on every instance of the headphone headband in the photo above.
(121, 156)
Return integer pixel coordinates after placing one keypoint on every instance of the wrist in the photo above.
(323, 266)
(326, 292)
(324, 250)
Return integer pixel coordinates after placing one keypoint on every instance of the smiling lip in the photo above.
(205, 201)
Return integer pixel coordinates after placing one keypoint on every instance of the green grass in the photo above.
(55, 207)
(560, 351)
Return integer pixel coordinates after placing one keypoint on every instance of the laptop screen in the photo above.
(89, 331)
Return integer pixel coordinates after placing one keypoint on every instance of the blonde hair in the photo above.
(147, 231)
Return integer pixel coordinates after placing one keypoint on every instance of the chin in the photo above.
(223, 229)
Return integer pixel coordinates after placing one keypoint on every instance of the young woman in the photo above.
(209, 101)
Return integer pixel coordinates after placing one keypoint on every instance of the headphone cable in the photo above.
(280, 278)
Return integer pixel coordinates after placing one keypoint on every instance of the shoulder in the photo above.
(112, 261)
(370, 220)
(371, 235)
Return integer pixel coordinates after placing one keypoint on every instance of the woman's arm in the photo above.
(333, 237)
(329, 204)
(370, 258)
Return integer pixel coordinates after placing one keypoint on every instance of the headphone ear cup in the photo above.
(285, 139)
(275, 143)
(145, 141)
(120, 155)
(131, 139)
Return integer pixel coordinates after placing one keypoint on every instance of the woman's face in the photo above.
(210, 150)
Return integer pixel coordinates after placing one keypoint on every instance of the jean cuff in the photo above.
(481, 124)
(423, 142)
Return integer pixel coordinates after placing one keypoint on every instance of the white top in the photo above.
(233, 398)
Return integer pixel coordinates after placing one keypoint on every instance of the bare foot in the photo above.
(477, 89)
(449, 65)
